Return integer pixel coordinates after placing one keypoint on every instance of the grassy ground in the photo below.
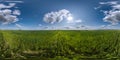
(60, 44)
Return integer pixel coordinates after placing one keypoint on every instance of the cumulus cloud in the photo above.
(8, 19)
(58, 16)
(112, 16)
(6, 11)
(8, 15)
(16, 12)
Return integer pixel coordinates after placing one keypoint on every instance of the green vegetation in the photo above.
(60, 44)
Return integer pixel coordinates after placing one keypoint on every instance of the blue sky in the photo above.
(59, 14)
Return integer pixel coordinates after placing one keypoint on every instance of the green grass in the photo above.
(60, 44)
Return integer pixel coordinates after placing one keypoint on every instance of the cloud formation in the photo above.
(14, 1)
(109, 3)
(16, 12)
(56, 17)
(7, 6)
(75, 21)
(112, 16)
(8, 15)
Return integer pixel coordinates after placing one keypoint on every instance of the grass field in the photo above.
(60, 44)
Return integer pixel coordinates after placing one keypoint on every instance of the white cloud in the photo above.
(8, 15)
(78, 21)
(6, 11)
(15, 1)
(74, 21)
(59, 16)
(9, 19)
(109, 3)
(116, 6)
(16, 12)
(56, 17)
(7, 6)
(112, 16)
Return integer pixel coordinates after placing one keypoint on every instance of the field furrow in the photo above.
(65, 45)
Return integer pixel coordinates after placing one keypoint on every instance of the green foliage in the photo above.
(60, 45)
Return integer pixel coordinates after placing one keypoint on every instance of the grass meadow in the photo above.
(60, 44)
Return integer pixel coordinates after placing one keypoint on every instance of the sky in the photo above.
(59, 14)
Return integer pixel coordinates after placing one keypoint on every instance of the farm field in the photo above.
(60, 44)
